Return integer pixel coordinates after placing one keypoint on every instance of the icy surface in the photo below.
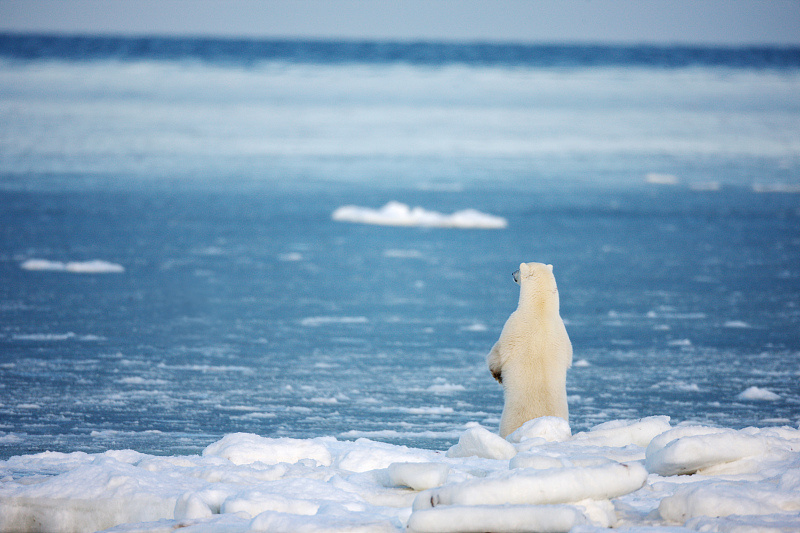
(245, 482)
(96, 266)
(399, 214)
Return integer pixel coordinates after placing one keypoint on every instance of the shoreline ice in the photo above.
(399, 214)
(636, 474)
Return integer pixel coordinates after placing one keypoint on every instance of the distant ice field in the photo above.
(123, 123)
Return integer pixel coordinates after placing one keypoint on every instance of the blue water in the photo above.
(661, 183)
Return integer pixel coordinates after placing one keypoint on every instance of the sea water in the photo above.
(171, 271)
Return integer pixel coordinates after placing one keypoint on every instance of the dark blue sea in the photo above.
(170, 271)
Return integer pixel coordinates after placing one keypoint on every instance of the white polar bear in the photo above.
(533, 353)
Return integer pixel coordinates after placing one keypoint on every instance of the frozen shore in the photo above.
(635, 474)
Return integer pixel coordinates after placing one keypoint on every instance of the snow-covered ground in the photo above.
(630, 474)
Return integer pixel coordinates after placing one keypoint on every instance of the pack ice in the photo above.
(633, 474)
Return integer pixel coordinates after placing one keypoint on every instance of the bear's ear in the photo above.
(550, 267)
(523, 269)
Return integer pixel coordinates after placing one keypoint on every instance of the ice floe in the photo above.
(399, 214)
(96, 266)
(632, 474)
(757, 393)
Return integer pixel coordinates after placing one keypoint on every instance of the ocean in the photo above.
(172, 273)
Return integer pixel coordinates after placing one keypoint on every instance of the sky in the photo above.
(720, 22)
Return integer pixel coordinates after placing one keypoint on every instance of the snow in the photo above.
(480, 442)
(637, 475)
(399, 214)
(96, 266)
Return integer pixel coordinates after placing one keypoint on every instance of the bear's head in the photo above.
(537, 283)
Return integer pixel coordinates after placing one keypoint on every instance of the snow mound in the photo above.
(399, 214)
(539, 487)
(742, 480)
(464, 519)
(619, 433)
(543, 429)
(244, 449)
(692, 449)
(418, 476)
(96, 266)
(480, 442)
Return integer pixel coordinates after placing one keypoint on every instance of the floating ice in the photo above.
(314, 321)
(756, 393)
(76, 267)
(745, 480)
(399, 214)
(661, 179)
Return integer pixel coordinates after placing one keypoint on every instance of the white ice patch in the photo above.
(543, 429)
(96, 266)
(539, 487)
(746, 480)
(756, 393)
(418, 476)
(399, 214)
(52, 337)
(243, 449)
(480, 442)
(442, 386)
(315, 321)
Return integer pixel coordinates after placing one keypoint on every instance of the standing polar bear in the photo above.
(533, 353)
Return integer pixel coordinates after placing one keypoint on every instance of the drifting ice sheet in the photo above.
(750, 480)
(399, 214)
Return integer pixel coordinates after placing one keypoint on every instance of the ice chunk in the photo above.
(99, 493)
(478, 519)
(661, 179)
(418, 476)
(538, 487)
(323, 523)
(545, 428)
(399, 214)
(689, 449)
(191, 506)
(618, 433)
(365, 455)
(479, 441)
(755, 393)
(725, 498)
(96, 266)
(543, 462)
(246, 448)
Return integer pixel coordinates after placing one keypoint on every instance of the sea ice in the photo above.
(399, 214)
(96, 266)
(756, 393)
(695, 477)
(480, 442)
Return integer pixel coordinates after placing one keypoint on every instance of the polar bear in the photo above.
(533, 353)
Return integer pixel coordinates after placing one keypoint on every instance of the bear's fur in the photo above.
(533, 353)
